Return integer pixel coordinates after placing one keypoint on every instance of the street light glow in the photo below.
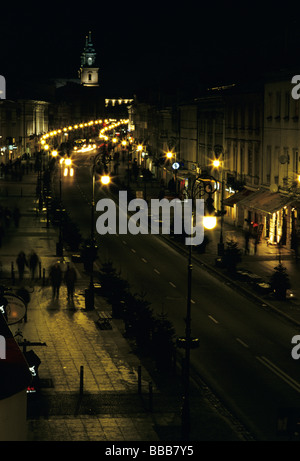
(169, 154)
(216, 163)
(105, 180)
(209, 222)
(68, 161)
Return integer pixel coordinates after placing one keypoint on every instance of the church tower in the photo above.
(88, 72)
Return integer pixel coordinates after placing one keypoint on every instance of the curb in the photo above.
(229, 281)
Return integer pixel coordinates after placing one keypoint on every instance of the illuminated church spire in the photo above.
(88, 71)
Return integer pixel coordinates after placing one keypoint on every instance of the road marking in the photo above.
(213, 319)
(242, 342)
(155, 270)
(125, 243)
(172, 284)
(286, 378)
(144, 260)
(192, 301)
(133, 250)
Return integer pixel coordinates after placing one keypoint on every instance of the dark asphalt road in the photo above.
(245, 351)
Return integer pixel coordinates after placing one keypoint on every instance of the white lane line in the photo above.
(286, 378)
(133, 250)
(125, 243)
(172, 284)
(213, 319)
(144, 260)
(156, 271)
(242, 342)
(192, 301)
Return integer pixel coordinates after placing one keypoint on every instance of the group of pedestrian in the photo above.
(56, 277)
(31, 262)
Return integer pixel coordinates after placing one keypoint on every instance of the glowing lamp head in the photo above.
(169, 155)
(68, 161)
(209, 222)
(54, 153)
(216, 163)
(105, 180)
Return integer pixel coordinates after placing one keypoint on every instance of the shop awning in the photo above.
(267, 202)
(237, 197)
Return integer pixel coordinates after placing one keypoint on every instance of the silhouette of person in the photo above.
(33, 262)
(70, 280)
(21, 263)
(55, 276)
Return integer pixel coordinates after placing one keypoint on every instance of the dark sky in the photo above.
(146, 42)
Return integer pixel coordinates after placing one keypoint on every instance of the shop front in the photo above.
(269, 215)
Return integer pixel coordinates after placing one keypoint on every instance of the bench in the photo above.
(104, 321)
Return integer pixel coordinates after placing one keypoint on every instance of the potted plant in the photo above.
(280, 282)
(232, 255)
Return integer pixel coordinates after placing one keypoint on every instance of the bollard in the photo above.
(139, 379)
(150, 396)
(44, 277)
(81, 381)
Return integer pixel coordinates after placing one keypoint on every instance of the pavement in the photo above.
(89, 376)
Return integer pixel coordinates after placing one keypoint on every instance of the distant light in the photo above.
(68, 161)
(175, 165)
(105, 180)
(169, 154)
(209, 222)
(216, 163)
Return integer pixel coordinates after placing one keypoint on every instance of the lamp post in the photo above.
(105, 180)
(217, 164)
(59, 245)
(202, 185)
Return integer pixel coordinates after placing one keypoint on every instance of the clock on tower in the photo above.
(88, 72)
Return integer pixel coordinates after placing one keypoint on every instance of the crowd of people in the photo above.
(56, 275)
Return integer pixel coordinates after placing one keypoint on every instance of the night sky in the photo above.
(147, 42)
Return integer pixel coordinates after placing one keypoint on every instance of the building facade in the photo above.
(253, 130)
(21, 122)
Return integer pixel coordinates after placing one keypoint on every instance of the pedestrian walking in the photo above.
(33, 262)
(70, 280)
(21, 263)
(55, 276)
(247, 239)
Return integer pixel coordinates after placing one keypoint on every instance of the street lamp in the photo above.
(202, 185)
(59, 245)
(105, 180)
(217, 164)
